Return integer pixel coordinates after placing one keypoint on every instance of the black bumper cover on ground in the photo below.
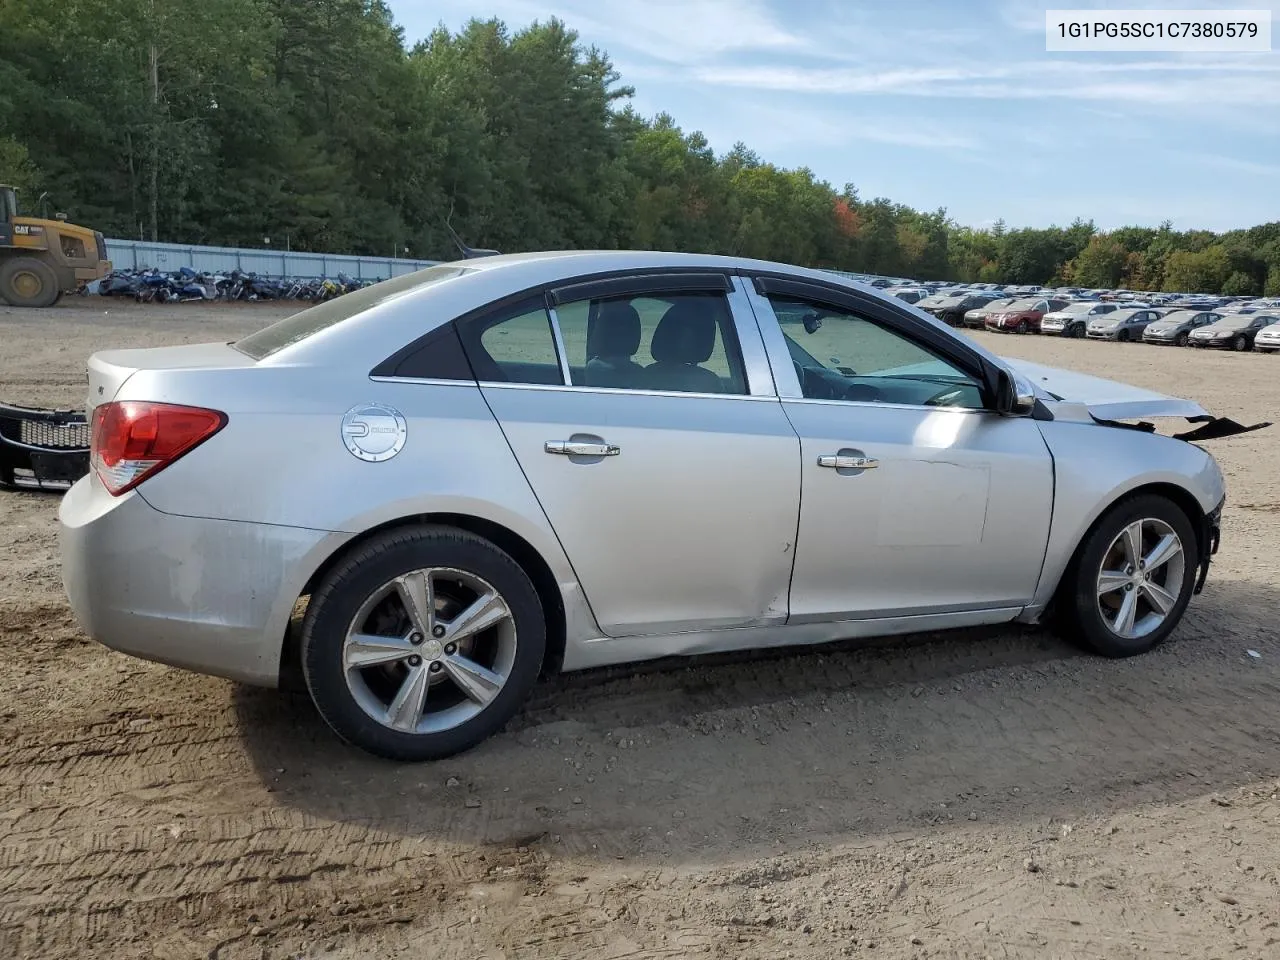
(42, 449)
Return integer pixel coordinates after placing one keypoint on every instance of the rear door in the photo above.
(916, 499)
(643, 414)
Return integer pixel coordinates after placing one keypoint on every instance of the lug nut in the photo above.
(1128, 587)
(450, 649)
(437, 631)
(415, 638)
(415, 661)
(436, 666)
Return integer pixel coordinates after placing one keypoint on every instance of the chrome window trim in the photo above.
(753, 354)
(883, 405)
(620, 391)
(556, 336)
(425, 381)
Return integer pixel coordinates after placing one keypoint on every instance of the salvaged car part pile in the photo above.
(186, 285)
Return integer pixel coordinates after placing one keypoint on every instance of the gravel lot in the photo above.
(994, 793)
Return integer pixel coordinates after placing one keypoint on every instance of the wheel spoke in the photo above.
(1161, 599)
(367, 650)
(486, 611)
(1164, 551)
(418, 596)
(478, 683)
(1126, 614)
(1109, 581)
(404, 712)
(1133, 542)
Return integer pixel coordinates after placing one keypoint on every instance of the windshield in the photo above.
(1076, 309)
(308, 323)
(1237, 321)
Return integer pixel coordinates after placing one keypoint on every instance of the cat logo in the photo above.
(26, 229)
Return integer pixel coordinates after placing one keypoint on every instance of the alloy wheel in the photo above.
(429, 650)
(1140, 578)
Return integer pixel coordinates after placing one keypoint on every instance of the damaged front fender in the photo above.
(1112, 403)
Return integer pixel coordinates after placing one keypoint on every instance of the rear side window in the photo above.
(300, 326)
(514, 344)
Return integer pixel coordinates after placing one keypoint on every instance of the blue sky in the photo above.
(945, 104)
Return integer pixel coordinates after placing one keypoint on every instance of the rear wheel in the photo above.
(27, 282)
(422, 643)
(1130, 584)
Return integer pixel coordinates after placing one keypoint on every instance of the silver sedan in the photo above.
(502, 467)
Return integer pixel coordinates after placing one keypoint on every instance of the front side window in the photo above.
(681, 342)
(842, 355)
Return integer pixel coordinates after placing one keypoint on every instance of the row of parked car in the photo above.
(1237, 324)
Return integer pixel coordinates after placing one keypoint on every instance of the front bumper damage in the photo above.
(42, 449)
(1210, 538)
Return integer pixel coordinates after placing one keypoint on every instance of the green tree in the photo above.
(1203, 271)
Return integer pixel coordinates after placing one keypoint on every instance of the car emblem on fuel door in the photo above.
(374, 432)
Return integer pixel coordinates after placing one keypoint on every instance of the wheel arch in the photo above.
(1181, 497)
(520, 550)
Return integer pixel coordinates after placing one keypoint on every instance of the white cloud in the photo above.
(674, 31)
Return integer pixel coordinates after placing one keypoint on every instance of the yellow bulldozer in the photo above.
(40, 260)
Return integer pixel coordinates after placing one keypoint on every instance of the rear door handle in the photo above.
(844, 461)
(582, 448)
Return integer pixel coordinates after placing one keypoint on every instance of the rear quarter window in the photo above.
(298, 327)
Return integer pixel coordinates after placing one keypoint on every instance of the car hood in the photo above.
(1106, 399)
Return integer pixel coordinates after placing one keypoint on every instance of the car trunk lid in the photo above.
(109, 369)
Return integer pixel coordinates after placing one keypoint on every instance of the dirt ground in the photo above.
(994, 793)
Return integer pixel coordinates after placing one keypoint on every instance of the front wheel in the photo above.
(1023, 326)
(1132, 579)
(1181, 339)
(422, 643)
(1240, 342)
(28, 282)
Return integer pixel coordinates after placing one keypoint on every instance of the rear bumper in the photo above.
(212, 596)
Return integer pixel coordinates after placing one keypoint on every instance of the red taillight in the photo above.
(135, 439)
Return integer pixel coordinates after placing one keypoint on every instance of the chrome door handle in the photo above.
(582, 448)
(842, 461)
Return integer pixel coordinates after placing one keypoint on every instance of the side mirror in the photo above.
(1015, 397)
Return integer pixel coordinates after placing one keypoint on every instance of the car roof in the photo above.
(378, 320)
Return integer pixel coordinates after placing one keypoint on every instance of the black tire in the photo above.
(1078, 596)
(356, 577)
(1077, 331)
(1241, 342)
(1023, 326)
(1122, 336)
(23, 272)
(1181, 339)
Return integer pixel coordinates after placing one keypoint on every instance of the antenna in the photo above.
(468, 253)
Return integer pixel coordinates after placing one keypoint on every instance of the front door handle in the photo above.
(844, 461)
(582, 448)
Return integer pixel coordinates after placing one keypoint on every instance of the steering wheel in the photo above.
(861, 391)
(949, 397)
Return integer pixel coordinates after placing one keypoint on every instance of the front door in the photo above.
(670, 477)
(914, 498)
